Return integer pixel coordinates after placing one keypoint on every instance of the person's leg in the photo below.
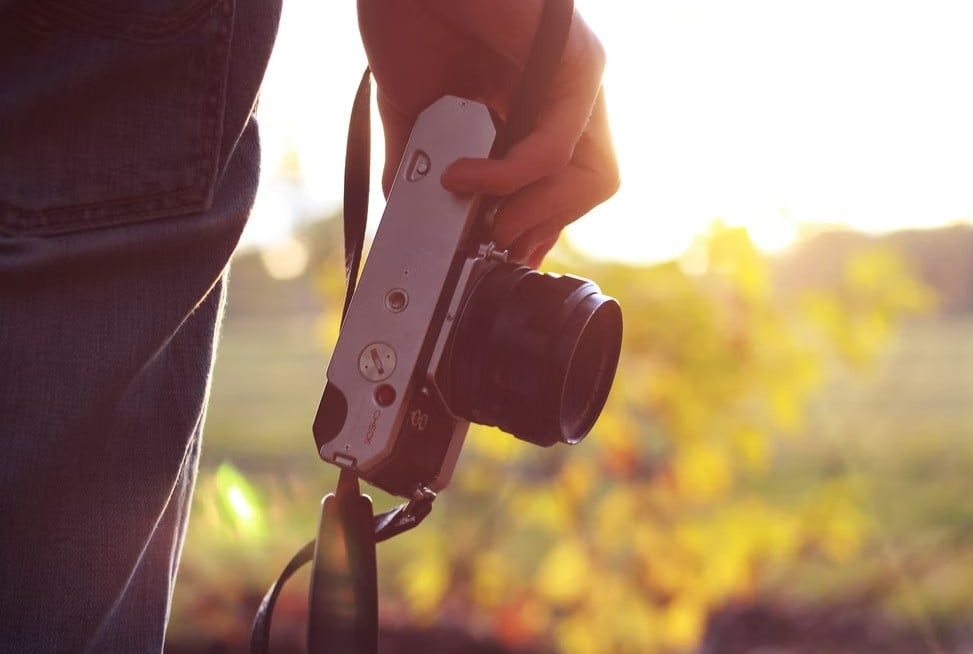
(128, 165)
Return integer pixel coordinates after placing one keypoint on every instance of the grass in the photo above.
(901, 435)
(266, 386)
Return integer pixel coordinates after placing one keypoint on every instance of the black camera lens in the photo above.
(533, 354)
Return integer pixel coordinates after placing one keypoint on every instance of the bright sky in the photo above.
(769, 114)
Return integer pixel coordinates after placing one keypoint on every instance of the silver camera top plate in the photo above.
(375, 361)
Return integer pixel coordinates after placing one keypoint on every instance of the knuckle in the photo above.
(558, 155)
(611, 182)
(506, 184)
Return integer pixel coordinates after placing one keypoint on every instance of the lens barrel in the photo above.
(533, 354)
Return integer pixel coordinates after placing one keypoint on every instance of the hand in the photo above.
(420, 50)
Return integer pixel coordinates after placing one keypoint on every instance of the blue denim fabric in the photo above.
(128, 165)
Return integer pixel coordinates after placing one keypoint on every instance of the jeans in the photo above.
(128, 164)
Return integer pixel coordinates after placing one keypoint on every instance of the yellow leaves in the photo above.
(424, 579)
(612, 618)
(326, 332)
(577, 480)
(617, 435)
(702, 472)
(625, 543)
(875, 292)
(491, 580)
(880, 274)
(575, 636)
(733, 257)
(682, 623)
(823, 309)
(843, 533)
(751, 448)
(786, 408)
(543, 507)
(670, 571)
(614, 511)
(564, 574)
(835, 521)
(522, 622)
(757, 534)
(493, 443)
(776, 535)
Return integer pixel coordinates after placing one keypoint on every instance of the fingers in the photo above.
(536, 258)
(530, 222)
(534, 216)
(551, 145)
(547, 149)
(476, 49)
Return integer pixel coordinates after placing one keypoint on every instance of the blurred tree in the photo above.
(627, 542)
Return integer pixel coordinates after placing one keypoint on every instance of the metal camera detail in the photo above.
(443, 330)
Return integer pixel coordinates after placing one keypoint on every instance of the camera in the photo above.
(443, 330)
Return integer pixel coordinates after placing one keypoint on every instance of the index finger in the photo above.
(544, 151)
(550, 146)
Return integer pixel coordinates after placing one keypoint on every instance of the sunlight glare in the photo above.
(240, 505)
(734, 110)
(772, 234)
(239, 502)
(852, 114)
(285, 259)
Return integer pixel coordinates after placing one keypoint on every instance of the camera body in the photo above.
(443, 330)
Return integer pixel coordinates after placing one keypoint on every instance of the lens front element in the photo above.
(534, 354)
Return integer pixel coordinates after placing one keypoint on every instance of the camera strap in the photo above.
(343, 598)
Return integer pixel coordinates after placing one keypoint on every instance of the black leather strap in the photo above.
(260, 632)
(343, 602)
(539, 70)
(357, 170)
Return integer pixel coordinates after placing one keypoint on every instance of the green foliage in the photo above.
(624, 543)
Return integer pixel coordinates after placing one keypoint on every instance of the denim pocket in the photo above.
(111, 111)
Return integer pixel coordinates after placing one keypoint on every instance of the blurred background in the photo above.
(785, 461)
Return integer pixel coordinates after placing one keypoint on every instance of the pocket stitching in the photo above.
(170, 202)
